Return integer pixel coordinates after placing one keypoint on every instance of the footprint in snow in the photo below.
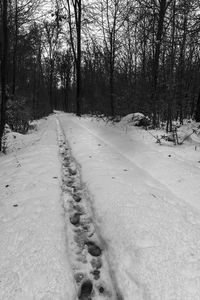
(75, 219)
(96, 274)
(79, 277)
(96, 263)
(77, 198)
(86, 290)
(93, 249)
(101, 290)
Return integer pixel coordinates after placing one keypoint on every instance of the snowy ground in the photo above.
(33, 258)
(152, 235)
(145, 205)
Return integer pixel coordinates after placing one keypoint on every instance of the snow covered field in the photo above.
(145, 199)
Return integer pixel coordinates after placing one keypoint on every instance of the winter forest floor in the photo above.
(89, 209)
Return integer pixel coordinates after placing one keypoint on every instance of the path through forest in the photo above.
(33, 259)
(152, 235)
(81, 216)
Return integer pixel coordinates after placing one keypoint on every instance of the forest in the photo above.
(105, 57)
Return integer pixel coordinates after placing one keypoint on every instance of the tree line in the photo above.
(107, 57)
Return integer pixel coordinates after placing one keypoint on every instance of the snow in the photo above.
(143, 199)
(151, 232)
(33, 255)
(85, 244)
(133, 119)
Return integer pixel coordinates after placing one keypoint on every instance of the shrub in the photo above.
(18, 115)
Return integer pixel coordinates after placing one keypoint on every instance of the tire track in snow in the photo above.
(158, 183)
(87, 251)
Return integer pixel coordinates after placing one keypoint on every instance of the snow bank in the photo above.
(135, 119)
(13, 141)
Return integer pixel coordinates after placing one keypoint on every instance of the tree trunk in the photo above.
(14, 59)
(112, 110)
(169, 118)
(66, 99)
(78, 61)
(34, 93)
(171, 73)
(3, 71)
(51, 84)
(182, 66)
(162, 11)
(197, 114)
(111, 75)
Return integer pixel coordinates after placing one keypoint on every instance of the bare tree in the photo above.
(112, 18)
(52, 31)
(162, 6)
(22, 13)
(75, 28)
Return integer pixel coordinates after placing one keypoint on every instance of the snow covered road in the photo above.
(153, 237)
(86, 247)
(150, 234)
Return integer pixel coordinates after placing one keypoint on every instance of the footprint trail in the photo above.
(87, 253)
